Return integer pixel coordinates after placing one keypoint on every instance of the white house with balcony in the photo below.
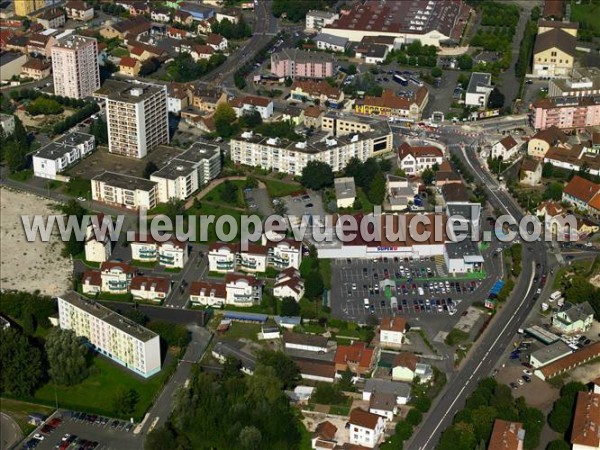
(288, 283)
(222, 257)
(283, 254)
(242, 290)
(172, 254)
(116, 277)
(154, 289)
(208, 294)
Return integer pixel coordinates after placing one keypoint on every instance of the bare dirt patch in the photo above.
(29, 266)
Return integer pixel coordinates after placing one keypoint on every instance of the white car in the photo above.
(81, 199)
(520, 381)
(38, 436)
(527, 372)
(353, 286)
(539, 291)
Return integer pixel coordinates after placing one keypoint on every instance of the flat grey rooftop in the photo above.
(199, 151)
(174, 169)
(125, 181)
(74, 138)
(109, 316)
(123, 91)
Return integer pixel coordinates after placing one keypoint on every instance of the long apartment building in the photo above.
(75, 66)
(137, 117)
(111, 334)
(290, 157)
(57, 156)
(566, 112)
(188, 172)
(124, 191)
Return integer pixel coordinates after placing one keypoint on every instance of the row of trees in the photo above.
(14, 148)
(229, 30)
(369, 176)
(526, 48)
(184, 69)
(234, 411)
(295, 10)
(490, 401)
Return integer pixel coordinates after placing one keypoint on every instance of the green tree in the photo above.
(313, 285)
(174, 207)
(558, 444)
(125, 401)
(250, 438)
(21, 364)
(99, 129)
(428, 176)
(229, 193)
(66, 354)
(224, 120)
(231, 368)
(345, 382)
(252, 119)
(289, 307)
(73, 209)
(317, 175)
(554, 191)
(547, 170)
(414, 417)
(328, 394)
(15, 156)
(436, 72)
(376, 192)
(284, 367)
(496, 99)
(149, 169)
(465, 62)
(29, 324)
(351, 69)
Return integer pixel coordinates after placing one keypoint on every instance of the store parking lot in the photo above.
(81, 431)
(392, 286)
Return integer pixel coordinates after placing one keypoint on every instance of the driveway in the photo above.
(162, 407)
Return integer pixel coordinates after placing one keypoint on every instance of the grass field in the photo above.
(19, 411)
(97, 392)
(279, 188)
(243, 331)
(587, 14)
(216, 194)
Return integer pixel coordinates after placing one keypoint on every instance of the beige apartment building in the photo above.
(24, 8)
(75, 66)
(137, 117)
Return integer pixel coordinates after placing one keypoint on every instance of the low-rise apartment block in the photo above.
(36, 68)
(507, 436)
(295, 63)
(345, 192)
(57, 156)
(79, 10)
(172, 254)
(290, 157)
(150, 288)
(585, 434)
(227, 257)
(238, 290)
(188, 172)
(97, 249)
(288, 283)
(124, 190)
(315, 19)
(566, 112)
(582, 82)
(321, 91)
(111, 334)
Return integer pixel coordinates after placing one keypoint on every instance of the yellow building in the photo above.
(390, 105)
(26, 7)
(554, 51)
(543, 140)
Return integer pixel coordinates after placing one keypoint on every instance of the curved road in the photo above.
(10, 432)
(487, 351)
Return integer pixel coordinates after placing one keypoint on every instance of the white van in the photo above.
(367, 303)
(555, 296)
(421, 291)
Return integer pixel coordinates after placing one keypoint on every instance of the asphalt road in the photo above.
(266, 26)
(162, 407)
(9, 431)
(498, 336)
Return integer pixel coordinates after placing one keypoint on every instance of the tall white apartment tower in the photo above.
(137, 117)
(75, 66)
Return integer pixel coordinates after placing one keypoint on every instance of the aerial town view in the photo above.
(300, 224)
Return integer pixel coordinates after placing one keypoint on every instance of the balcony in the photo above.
(117, 285)
(167, 259)
(225, 265)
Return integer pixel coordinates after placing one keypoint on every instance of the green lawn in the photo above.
(239, 330)
(587, 14)
(23, 175)
(97, 392)
(144, 264)
(216, 211)
(19, 411)
(78, 187)
(277, 188)
(216, 195)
